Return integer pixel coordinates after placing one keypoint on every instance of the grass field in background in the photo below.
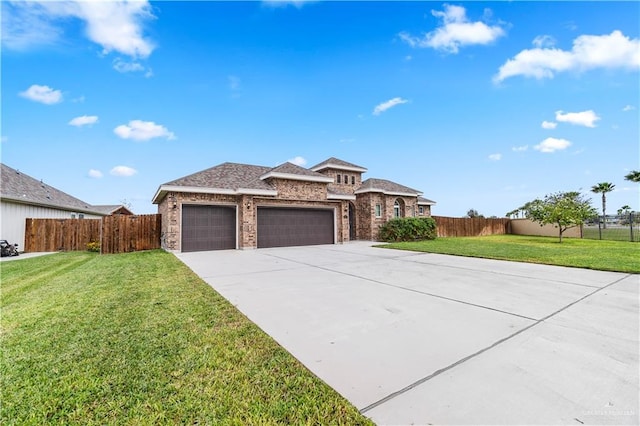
(616, 233)
(139, 339)
(582, 253)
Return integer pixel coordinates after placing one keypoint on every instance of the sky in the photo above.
(479, 105)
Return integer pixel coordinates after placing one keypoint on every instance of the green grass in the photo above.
(611, 233)
(581, 253)
(139, 339)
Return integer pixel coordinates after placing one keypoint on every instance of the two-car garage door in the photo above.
(284, 227)
(214, 227)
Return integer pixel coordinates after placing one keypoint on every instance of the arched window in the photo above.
(398, 208)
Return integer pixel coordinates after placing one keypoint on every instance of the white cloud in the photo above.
(27, 24)
(123, 171)
(549, 124)
(4, 139)
(84, 120)
(347, 140)
(284, 3)
(495, 157)
(139, 130)
(115, 25)
(299, 161)
(42, 94)
(96, 174)
(124, 66)
(380, 108)
(456, 31)
(584, 118)
(552, 145)
(613, 50)
(628, 108)
(520, 148)
(544, 41)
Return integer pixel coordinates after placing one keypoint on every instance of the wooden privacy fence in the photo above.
(470, 227)
(116, 234)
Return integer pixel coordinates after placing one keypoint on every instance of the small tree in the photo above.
(565, 210)
(634, 176)
(473, 213)
(603, 188)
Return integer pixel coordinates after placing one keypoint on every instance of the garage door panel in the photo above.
(284, 227)
(208, 228)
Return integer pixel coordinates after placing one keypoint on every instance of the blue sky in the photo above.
(479, 105)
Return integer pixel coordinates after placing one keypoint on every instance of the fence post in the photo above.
(599, 227)
(631, 226)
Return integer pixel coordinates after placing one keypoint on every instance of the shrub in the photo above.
(93, 246)
(408, 229)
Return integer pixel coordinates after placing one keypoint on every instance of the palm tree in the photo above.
(634, 176)
(603, 188)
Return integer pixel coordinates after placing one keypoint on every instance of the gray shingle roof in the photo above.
(109, 209)
(292, 169)
(422, 200)
(20, 187)
(226, 176)
(386, 186)
(336, 163)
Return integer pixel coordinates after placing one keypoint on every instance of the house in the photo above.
(113, 209)
(246, 206)
(22, 197)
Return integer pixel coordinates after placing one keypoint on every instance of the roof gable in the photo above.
(293, 172)
(336, 163)
(22, 188)
(386, 187)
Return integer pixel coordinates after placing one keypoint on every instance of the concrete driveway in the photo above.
(414, 338)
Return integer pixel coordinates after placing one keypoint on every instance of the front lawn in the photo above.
(581, 253)
(139, 339)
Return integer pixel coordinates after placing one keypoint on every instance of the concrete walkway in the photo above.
(25, 256)
(414, 338)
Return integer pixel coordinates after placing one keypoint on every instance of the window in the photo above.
(396, 209)
(346, 179)
(73, 215)
(421, 210)
(353, 180)
(80, 216)
(378, 210)
(338, 178)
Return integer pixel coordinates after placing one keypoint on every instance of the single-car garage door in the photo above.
(283, 227)
(208, 227)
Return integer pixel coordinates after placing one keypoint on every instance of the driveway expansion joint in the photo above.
(324, 268)
(481, 351)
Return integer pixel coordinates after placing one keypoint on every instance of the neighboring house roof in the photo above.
(22, 188)
(111, 209)
(336, 163)
(386, 187)
(425, 202)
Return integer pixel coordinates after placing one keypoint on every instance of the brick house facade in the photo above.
(245, 206)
